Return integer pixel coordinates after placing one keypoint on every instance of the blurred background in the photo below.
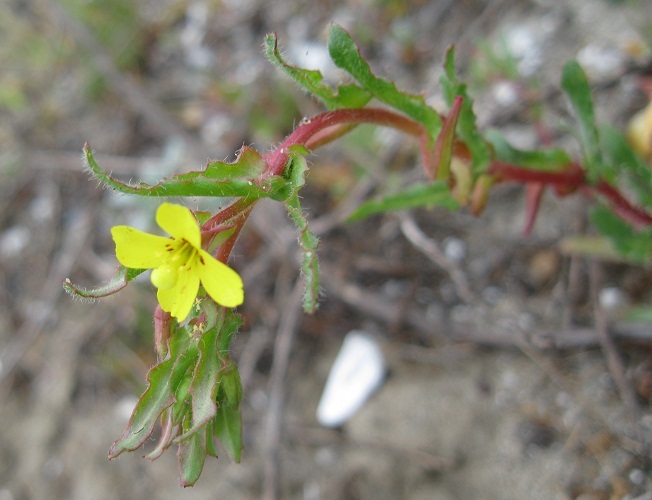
(498, 384)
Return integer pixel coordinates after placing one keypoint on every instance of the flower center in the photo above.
(166, 275)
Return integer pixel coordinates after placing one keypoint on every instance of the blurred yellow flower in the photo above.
(639, 132)
(178, 263)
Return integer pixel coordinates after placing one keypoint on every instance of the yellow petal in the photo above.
(179, 299)
(221, 282)
(179, 223)
(137, 249)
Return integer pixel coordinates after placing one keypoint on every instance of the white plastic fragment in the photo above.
(358, 371)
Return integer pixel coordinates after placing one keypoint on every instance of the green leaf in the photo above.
(307, 240)
(625, 162)
(230, 324)
(182, 376)
(181, 406)
(466, 124)
(309, 261)
(639, 314)
(230, 384)
(542, 160)
(422, 195)
(346, 96)
(240, 178)
(153, 402)
(576, 85)
(192, 455)
(634, 245)
(203, 389)
(228, 429)
(122, 276)
(210, 441)
(345, 55)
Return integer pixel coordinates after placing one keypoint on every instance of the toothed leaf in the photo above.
(345, 55)
(243, 178)
(346, 96)
(435, 194)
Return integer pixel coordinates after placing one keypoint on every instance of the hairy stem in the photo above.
(314, 132)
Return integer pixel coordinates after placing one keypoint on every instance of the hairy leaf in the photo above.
(240, 178)
(153, 402)
(542, 160)
(230, 324)
(632, 244)
(345, 55)
(576, 85)
(122, 276)
(192, 455)
(307, 240)
(203, 388)
(228, 429)
(230, 384)
(628, 164)
(435, 194)
(466, 123)
(346, 96)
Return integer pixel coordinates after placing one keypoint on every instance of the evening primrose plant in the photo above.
(194, 390)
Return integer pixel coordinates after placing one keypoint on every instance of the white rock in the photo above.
(357, 372)
(612, 298)
(13, 241)
(455, 249)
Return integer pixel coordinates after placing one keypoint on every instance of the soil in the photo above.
(499, 384)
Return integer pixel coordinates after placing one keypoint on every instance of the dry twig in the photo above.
(73, 240)
(287, 328)
(614, 361)
(430, 249)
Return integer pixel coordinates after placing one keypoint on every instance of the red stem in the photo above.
(224, 251)
(227, 215)
(328, 126)
(533, 194)
(310, 130)
(235, 215)
(622, 207)
(568, 181)
(572, 177)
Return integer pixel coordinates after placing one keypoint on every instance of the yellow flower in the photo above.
(179, 263)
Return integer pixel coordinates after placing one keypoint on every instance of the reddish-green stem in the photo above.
(235, 216)
(570, 179)
(316, 131)
(331, 125)
(572, 176)
(228, 214)
(224, 251)
(631, 213)
(312, 133)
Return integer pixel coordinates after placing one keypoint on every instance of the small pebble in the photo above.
(612, 298)
(455, 249)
